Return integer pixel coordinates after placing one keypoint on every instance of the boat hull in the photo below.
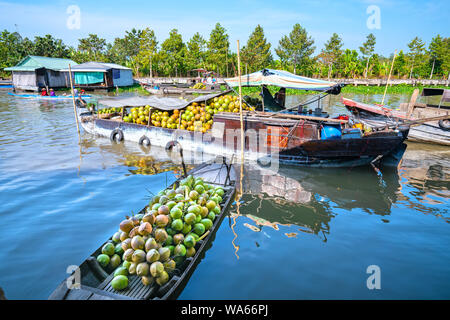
(429, 132)
(260, 143)
(39, 97)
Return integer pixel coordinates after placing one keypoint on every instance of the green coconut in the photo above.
(142, 269)
(116, 237)
(164, 254)
(137, 243)
(149, 217)
(156, 268)
(161, 221)
(180, 250)
(128, 254)
(138, 256)
(119, 282)
(145, 229)
(207, 223)
(126, 244)
(189, 241)
(126, 225)
(178, 238)
(169, 265)
(186, 228)
(121, 271)
(123, 236)
(199, 229)
(118, 249)
(103, 260)
(160, 235)
(108, 249)
(150, 244)
(147, 280)
(190, 252)
(152, 256)
(163, 278)
(114, 262)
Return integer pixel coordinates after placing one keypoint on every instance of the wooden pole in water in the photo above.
(389, 77)
(240, 103)
(73, 100)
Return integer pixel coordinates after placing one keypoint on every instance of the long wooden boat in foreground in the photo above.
(435, 131)
(96, 282)
(270, 137)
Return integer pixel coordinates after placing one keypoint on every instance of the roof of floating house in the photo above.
(281, 78)
(93, 66)
(31, 63)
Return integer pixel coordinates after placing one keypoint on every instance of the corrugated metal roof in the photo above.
(94, 66)
(31, 63)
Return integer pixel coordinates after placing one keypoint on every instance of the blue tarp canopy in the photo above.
(88, 77)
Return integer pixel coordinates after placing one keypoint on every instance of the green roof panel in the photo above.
(31, 63)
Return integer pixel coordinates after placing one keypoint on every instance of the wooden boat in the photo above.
(294, 139)
(436, 131)
(96, 282)
(39, 97)
(6, 84)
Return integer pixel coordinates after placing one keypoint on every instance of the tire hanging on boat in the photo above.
(116, 135)
(171, 144)
(144, 141)
(445, 124)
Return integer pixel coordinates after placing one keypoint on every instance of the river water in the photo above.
(298, 234)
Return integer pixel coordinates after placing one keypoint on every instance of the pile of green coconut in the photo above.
(153, 244)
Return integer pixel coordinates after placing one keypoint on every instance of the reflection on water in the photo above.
(309, 233)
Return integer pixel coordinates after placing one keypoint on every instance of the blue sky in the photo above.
(400, 20)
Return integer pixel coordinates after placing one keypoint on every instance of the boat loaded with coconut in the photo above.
(153, 254)
(429, 123)
(273, 132)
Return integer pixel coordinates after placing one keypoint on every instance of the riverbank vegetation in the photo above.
(295, 52)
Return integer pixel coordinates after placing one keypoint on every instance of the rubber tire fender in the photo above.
(171, 144)
(444, 124)
(119, 134)
(145, 138)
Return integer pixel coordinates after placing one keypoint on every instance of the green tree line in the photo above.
(141, 51)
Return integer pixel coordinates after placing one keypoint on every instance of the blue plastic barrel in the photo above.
(330, 132)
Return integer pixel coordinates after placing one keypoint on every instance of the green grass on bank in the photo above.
(395, 89)
(361, 89)
(134, 88)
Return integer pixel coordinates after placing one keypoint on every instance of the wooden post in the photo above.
(389, 77)
(150, 116)
(240, 103)
(74, 104)
(412, 102)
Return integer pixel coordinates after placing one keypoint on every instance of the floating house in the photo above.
(34, 73)
(101, 75)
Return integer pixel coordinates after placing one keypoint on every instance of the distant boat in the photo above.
(39, 97)
(436, 132)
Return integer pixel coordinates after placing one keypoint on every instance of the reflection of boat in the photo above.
(95, 283)
(39, 97)
(426, 168)
(308, 198)
(296, 139)
(437, 131)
